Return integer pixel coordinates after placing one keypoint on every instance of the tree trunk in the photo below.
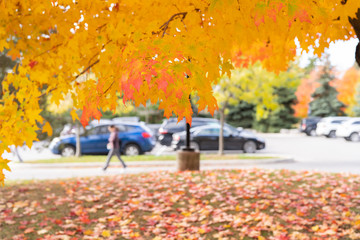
(355, 22)
(78, 145)
(221, 135)
(146, 114)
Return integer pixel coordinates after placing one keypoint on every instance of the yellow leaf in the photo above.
(261, 238)
(2, 178)
(134, 235)
(88, 232)
(74, 115)
(47, 128)
(186, 214)
(315, 228)
(348, 214)
(106, 233)
(357, 223)
(4, 164)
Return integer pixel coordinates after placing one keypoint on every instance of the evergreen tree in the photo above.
(356, 108)
(283, 117)
(325, 102)
(241, 115)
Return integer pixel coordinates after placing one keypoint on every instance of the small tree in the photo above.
(356, 107)
(253, 85)
(347, 88)
(282, 117)
(325, 102)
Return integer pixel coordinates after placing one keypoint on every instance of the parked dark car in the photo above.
(135, 139)
(308, 125)
(171, 126)
(207, 138)
(154, 129)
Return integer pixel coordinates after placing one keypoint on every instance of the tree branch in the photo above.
(54, 47)
(165, 26)
(108, 88)
(86, 69)
(42, 95)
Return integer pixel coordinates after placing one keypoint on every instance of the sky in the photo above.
(342, 55)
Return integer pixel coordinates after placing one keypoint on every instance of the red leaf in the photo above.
(33, 63)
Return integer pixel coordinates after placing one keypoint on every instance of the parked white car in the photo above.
(328, 126)
(350, 130)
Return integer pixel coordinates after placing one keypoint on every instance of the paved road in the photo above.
(313, 149)
(309, 153)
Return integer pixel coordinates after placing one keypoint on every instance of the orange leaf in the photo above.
(47, 129)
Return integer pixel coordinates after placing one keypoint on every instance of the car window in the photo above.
(103, 130)
(197, 124)
(146, 128)
(337, 121)
(226, 132)
(175, 124)
(204, 132)
(93, 131)
(208, 131)
(215, 131)
(128, 128)
(230, 128)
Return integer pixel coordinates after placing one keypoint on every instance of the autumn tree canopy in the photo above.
(142, 50)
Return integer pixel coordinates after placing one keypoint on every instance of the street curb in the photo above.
(160, 163)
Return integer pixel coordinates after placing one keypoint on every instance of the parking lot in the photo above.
(312, 149)
(308, 153)
(302, 148)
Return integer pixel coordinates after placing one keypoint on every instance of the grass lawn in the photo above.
(101, 158)
(236, 204)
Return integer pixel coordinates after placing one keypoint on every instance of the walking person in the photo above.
(113, 146)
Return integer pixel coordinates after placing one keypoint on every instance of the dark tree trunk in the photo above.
(355, 22)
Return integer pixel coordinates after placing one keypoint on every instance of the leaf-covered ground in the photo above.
(237, 204)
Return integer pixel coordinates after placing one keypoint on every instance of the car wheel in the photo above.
(354, 137)
(332, 134)
(68, 151)
(195, 146)
(312, 133)
(249, 147)
(132, 150)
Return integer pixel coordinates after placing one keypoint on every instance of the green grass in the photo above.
(102, 158)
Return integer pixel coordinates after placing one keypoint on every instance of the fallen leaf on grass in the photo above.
(42, 231)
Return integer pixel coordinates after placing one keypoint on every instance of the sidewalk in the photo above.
(69, 170)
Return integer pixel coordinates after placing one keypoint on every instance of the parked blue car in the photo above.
(135, 139)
